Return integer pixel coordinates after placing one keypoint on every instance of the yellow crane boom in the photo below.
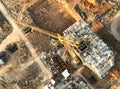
(67, 43)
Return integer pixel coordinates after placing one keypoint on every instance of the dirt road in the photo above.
(18, 32)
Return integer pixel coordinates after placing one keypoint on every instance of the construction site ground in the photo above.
(21, 63)
(50, 16)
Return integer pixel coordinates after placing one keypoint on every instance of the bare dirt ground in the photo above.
(48, 16)
(21, 63)
(27, 43)
(99, 8)
(5, 28)
(51, 17)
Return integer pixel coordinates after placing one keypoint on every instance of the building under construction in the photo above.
(92, 51)
(38, 40)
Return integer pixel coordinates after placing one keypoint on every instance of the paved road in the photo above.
(17, 31)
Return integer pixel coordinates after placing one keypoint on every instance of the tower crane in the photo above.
(65, 42)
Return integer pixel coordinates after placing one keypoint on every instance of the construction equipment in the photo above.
(67, 43)
(83, 46)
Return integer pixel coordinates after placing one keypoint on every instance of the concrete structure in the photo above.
(92, 51)
(66, 74)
